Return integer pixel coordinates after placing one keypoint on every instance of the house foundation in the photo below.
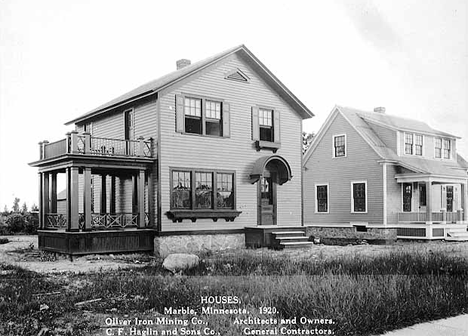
(195, 243)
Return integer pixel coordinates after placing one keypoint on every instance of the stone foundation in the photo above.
(166, 245)
(350, 234)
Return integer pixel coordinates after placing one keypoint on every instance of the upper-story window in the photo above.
(265, 121)
(438, 148)
(204, 116)
(447, 149)
(88, 128)
(442, 148)
(266, 128)
(413, 144)
(339, 145)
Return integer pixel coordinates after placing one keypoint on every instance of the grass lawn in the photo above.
(346, 295)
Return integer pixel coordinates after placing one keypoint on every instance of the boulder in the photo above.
(180, 262)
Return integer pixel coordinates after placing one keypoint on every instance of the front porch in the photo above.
(108, 195)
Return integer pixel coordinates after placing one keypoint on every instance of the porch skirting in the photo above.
(90, 242)
(195, 243)
(427, 231)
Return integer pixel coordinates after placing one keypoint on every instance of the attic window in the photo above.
(238, 76)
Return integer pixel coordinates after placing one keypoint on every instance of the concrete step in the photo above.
(293, 239)
(457, 236)
(281, 234)
(294, 245)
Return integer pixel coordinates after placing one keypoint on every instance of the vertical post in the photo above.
(74, 141)
(87, 198)
(444, 216)
(151, 199)
(384, 178)
(68, 140)
(45, 197)
(141, 148)
(41, 210)
(134, 194)
(429, 202)
(73, 213)
(87, 143)
(44, 145)
(53, 194)
(464, 197)
(141, 198)
(41, 151)
(112, 195)
(103, 194)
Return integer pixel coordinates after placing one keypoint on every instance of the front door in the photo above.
(407, 196)
(267, 199)
(449, 198)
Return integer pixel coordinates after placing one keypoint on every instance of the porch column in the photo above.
(73, 216)
(41, 211)
(134, 194)
(141, 198)
(53, 195)
(103, 194)
(429, 202)
(87, 198)
(464, 201)
(150, 199)
(45, 197)
(112, 195)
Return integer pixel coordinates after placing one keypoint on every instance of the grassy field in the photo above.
(353, 295)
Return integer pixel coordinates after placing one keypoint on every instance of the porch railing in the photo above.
(98, 221)
(84, 143)
(413, 217)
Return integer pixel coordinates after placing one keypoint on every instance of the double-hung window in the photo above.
(414, 144)
(359, 196)
(265, 121)
(447, 149)
(438, 148)
(339, 145)
(321, 193)
(418, 144)
(409, 143)
(204, 116)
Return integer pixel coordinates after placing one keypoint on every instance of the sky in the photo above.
(62, 58)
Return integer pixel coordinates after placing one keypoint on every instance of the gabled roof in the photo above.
(178, 75)
(361, 120)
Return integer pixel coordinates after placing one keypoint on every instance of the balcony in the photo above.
(85, 144)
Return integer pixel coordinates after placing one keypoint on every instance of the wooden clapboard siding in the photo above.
(388, 136)
(237, 152)
(394, 195)
(360, 164)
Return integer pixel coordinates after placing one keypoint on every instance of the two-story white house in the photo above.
(372, 169)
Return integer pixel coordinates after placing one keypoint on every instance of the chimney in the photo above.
(182, 63)
(379, 110)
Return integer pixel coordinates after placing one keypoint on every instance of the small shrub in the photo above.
(16, 222)
(4, 240)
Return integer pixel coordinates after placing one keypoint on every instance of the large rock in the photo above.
(180, 262)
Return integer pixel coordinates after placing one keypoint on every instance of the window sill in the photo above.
(193, 215)
(273, 146)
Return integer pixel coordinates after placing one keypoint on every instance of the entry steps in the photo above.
(290, 239)
(457, 234)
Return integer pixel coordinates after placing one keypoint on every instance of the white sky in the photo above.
(60, 59)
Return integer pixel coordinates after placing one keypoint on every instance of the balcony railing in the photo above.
(84, 143)
(105, 221)
(442, 216)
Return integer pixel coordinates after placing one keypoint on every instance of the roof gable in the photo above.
(179, 75)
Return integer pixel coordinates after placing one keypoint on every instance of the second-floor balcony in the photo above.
(86, 144)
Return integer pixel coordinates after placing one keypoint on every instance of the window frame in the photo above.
(438, 148)
(203, 118)
(317, 200)
(266, 126)
(352, 196)
(345, 145)
(214, 173)
(417, 145)
(406, 136)
(446, 150)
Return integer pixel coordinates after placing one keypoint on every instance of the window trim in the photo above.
(415, 136)
(413, 144)
(194, 213)
(435, 148)
(442, 148)
(316, 198)
(345, 145)
(444, 141)
(352, 196)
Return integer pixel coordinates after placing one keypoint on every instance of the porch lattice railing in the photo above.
(449, 217)
(98, 221)
(412, 216)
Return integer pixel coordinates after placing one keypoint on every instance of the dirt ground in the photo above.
(23, 251)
